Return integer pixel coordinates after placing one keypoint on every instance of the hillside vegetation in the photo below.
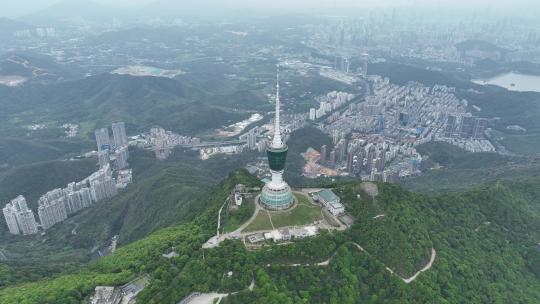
(15, 152)
(36, 179)
(449, 168)
(164, 193)
(485, 238)
(97, 101)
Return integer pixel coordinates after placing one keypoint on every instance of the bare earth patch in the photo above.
(371, 189)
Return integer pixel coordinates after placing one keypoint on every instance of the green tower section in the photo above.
(277, 158)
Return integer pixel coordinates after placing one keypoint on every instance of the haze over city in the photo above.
(21, 8)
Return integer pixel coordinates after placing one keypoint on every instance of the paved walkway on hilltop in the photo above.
(218, 238)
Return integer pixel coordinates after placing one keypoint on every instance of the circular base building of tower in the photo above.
(276, 199)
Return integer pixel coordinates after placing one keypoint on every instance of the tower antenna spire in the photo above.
(277, 142)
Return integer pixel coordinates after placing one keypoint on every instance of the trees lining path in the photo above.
(360, 248)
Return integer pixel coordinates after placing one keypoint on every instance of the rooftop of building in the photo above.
(328, 195)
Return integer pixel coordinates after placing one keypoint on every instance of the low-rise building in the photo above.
(286, 234)
(255, 238)
(274, 235)
(336, 208)
(330, 201)
(303, 232)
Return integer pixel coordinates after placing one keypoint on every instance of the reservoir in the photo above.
(513, 81)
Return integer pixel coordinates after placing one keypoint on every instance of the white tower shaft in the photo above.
(277, 142)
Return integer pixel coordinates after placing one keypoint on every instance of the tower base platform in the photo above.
(272, 198)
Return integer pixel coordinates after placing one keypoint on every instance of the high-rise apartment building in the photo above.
(252, 139)
(103, 158)
(119, 134)
(102, 184)
(121, 154)
(467, 127)
(324, 151)
(19, 218)
(11, 219)
(102, 139)
(480, 127)
(52, 212)
(312, 114)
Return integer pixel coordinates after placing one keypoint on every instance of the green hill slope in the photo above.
(485, 240)
(97, 101)
(14, 152)
(449, 168)
(164, 193)
(34, 180)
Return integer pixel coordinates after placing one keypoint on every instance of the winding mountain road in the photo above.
(360, 248)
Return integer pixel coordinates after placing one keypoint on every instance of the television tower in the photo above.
(276, 194)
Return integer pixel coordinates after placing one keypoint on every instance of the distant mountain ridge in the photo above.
(141, 102)
(77, 11)
(71, 10)
(9, 26)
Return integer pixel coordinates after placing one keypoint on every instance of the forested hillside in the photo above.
(97, 101)
(164, 193)
(450, 168)
(486, 243)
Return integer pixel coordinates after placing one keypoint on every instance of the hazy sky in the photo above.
(16, 8)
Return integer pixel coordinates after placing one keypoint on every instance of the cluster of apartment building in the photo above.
(373, 157)
(162, 142)
(58, 204)
(376, 138)
(467, 132)
(40, 32)
(206, 153)
(330, 102)
(115, 150)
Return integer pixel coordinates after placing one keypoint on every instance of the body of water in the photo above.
(514, 82)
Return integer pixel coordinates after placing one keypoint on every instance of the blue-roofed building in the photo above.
(327, 196)
(330, 201)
